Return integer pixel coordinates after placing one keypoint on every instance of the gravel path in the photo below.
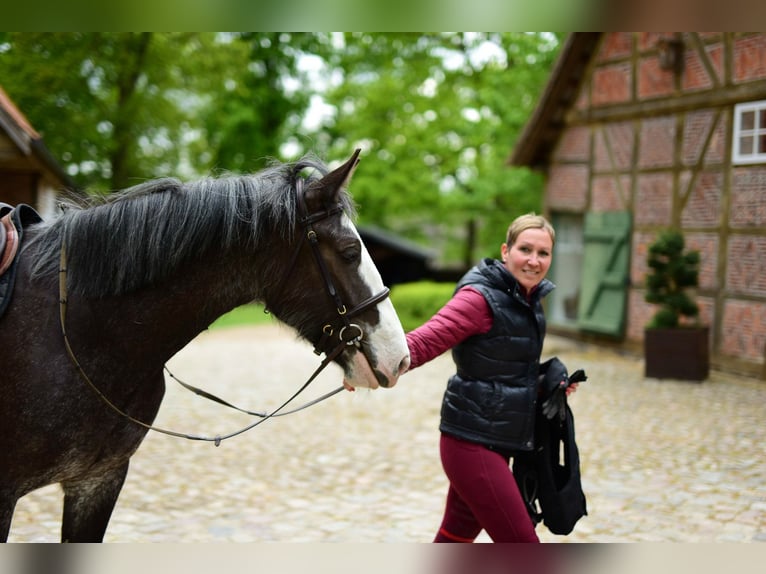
(661, 461)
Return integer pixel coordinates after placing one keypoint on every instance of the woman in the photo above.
(495, 326)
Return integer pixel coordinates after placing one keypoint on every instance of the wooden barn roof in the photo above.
(542, 130)
(32, 150)
(375, 236)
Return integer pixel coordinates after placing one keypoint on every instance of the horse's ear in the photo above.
(330, 185)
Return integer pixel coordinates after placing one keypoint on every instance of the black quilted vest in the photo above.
(491, 398)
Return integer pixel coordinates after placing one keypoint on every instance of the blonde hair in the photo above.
(528, 221)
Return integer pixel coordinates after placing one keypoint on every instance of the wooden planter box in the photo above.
(682, 353)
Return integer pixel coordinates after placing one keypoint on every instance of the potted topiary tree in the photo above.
(676, 345)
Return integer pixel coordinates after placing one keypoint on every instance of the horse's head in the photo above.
(336, 298)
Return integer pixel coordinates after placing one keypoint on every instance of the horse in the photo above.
(108, 291)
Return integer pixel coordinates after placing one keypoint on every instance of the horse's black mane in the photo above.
(138, 236)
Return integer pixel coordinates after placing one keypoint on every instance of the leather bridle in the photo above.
(347, 333)
(333, 341)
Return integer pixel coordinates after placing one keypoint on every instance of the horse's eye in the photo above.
(351, 254)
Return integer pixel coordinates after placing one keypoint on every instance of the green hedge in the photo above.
(251, 314)
(415, 303)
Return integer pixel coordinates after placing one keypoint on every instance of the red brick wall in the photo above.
(652, 81)
(704, 203)
(750, 58)
(654, 199)
(610, 193)
(568, 188)
(743, 329)
(707, 245)
(618, 45)
(612, 84)
(673, 168)
(746, 265)
(657, 142)
(748, 197)
(696, 76)
(648, 40)
(639, 314)
(574, 145)
(614, 147)
(697, 126)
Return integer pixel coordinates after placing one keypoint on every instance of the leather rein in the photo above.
(347, 334)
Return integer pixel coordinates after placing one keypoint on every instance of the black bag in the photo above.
(551, 490)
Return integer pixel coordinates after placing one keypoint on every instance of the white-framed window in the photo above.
(750, 133)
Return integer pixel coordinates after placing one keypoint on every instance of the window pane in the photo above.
(748, 120)
(761, 143)
(745, 145)
(762, 118)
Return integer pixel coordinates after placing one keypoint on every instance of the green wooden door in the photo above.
(606, 268)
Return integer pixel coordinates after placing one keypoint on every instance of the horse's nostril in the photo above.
(404, 365)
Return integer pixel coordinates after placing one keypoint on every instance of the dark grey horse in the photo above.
(148, 270)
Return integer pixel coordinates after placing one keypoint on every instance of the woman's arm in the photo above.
(466, 314)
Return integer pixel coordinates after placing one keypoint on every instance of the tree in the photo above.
(101, 101)
(437, 115)
(673, 273)
(118, 108)
(256, 103)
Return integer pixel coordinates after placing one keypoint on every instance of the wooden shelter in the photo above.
(28, 172)
(398, 260)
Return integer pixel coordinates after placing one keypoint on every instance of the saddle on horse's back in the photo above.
(12, 223)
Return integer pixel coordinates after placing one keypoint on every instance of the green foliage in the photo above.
(436, 115)
(250, 117)
(102, 101)
(673, 272)
(251, 314)
(118, 108)
(415, 303)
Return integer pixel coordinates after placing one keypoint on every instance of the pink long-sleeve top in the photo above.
(466, 314)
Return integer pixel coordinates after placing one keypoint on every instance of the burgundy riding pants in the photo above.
(482, 495)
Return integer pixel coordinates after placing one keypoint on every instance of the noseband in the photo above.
(348, 333)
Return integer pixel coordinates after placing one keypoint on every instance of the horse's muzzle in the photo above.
(361, 374)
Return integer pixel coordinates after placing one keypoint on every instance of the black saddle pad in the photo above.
(21, 216)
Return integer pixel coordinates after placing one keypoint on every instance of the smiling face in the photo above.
(529, 257)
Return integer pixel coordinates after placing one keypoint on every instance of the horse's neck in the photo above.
(166, 317)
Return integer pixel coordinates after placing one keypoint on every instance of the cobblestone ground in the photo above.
(661, 460)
